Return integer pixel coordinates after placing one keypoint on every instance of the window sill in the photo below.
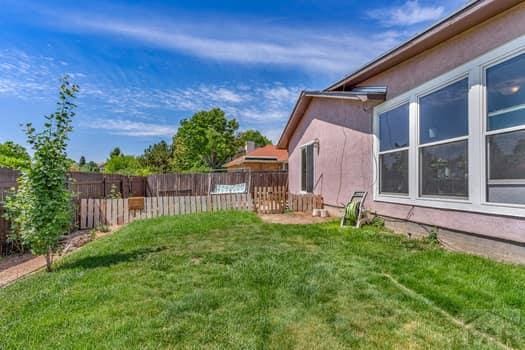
(444, 199)
(393, 195)
(505, 205)
(513, 210)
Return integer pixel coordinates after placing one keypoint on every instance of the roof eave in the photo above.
(466, 17)
(306, 97)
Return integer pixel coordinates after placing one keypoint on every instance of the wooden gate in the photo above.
(270, 199)
(304, 202)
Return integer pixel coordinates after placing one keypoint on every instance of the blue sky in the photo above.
(144, 65)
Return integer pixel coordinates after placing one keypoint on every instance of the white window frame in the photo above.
(477, 136)
(395, 150)
(487, 133)
(419, 145)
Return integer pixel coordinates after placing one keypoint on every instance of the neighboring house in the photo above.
(267, 158)
(434, 130)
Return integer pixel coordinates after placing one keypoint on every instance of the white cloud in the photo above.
(259, 104)
(264, 107)
(30, 77)
(315, 54)
(328, 50)
(227, 95)
(129, 127)
(410, 13)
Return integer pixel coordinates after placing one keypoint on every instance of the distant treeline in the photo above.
(205, 141)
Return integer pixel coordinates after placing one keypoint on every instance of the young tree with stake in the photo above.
(41, 209)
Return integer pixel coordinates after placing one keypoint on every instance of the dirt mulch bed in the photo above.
(294, 218)
(14, 267)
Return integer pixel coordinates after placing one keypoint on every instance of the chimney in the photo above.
(250, 146)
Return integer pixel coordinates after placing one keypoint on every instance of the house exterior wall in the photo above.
(344, 157)
(342, 160)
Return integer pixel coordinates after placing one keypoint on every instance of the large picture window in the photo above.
(393, 146)
(506, 131)
(443, 142)
(459, 142)
(307, 168)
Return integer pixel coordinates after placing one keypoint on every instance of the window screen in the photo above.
(393, 128)
(393, 150)
(443, 166)
(506, 148)
(506, 94)
(443, 114)
(444, 170)
(394, 172)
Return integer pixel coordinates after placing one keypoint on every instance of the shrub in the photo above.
(41, 209)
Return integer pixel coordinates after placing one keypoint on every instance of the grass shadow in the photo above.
(106, 260)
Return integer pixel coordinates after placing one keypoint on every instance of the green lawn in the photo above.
(229, 281)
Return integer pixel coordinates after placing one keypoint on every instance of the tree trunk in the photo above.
(49, 260)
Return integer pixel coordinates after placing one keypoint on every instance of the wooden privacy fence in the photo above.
(304, 202)
(199, 184)
(270, 199)
(8, 179)
(97, 212)
(96, 185)
(4, 231)
(100, 186)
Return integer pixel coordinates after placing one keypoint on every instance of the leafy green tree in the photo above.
(252, 135)
(13, 156)
(92, 167)
(116, 152)
(85, 166)
(124, 165)
(157, 157)
(41, 209)
(205, 141)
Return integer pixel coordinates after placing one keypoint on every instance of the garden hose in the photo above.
(352, 212)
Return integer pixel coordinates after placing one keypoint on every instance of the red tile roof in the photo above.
(269, 151)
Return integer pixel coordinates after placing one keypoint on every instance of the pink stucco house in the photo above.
(434, 130)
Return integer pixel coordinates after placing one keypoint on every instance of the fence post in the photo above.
(249, 180)
(209, 183)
